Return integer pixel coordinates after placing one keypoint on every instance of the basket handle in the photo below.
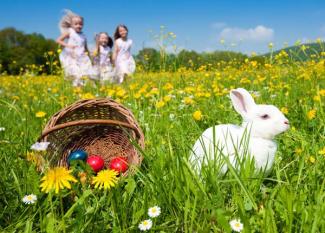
(89, 122)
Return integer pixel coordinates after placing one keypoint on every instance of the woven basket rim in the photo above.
(84, 102)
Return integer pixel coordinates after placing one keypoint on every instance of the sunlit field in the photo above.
(173, 109)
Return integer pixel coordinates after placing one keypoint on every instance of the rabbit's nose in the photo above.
(286, 122)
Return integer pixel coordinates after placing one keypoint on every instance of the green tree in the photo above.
(18, 49)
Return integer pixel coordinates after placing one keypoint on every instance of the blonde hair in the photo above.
(66, 20)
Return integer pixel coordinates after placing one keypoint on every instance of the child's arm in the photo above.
(87, 50)
(60, 41)
(115, 52)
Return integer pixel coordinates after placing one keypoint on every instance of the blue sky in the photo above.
(245, 26)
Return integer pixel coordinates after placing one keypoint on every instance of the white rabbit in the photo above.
(261, 123)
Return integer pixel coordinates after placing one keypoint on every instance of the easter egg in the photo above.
(77, 155)
(95, 162)
(119, 164)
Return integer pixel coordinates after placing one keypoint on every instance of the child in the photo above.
(74, 57)
(102, 57)
(122, 57)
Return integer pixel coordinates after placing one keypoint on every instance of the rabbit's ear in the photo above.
(242, 101)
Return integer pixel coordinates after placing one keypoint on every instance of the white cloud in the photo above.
(218, 25)
(258, 34)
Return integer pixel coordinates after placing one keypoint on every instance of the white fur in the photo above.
(261, 123)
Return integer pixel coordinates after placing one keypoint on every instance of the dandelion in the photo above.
(57, 178)
(167, 98)
(35, 158)
(160, 104)
(29, 199)
(188, 101)
(298, 151)
(236, 225)
(316, 98)
(154, 212)
(284, 110)
(197, 115)
(322, 92)
(311, 159)
(40, 114)
(311, 114)
(87, 96)
(105, 179)
(270, 45)
(2, 129)
(322, 151)
(40, 146)
(145, 225)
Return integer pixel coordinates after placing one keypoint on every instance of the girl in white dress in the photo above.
(102, 57)
(124, 62)
(74, 57)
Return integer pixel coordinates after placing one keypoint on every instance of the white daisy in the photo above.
(171, 116)
(145, 225)
(236, 225)
(154, 211)
(40, 146)
(30, 199)
(256, 93)
(2, 129)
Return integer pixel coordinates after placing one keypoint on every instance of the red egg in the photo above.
(96, 162)
(119, 164)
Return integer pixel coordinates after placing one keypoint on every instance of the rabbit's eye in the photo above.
(265, 116)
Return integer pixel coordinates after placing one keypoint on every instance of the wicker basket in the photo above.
(98, 126)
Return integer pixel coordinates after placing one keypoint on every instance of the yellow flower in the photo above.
(105, 179)
(50, 53)
(197, 115)
(311, 114)
(35, 158)
(121, 93)
(284, 110)
(298, 151)
(188, 101)
(322, 92)
(57, 178)
(322, 151)
(88, 96)
(137, 95)
(311, 159)
(167, 98)
(82, 177)
(40, 114)
(316, 98)
(168, 86)
(154, 91)
(160, 104)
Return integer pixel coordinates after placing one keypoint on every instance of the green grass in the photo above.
(290, 199)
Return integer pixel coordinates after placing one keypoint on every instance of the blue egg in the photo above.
(77, 155)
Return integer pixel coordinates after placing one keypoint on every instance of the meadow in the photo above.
(173, 109)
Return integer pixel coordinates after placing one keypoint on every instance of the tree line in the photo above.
(20, 52)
